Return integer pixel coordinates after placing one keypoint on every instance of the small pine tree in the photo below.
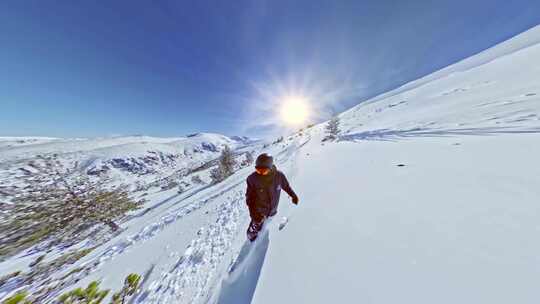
(131, 284)
(227, 161)
(89, 295)
(217, 175)
(332, 129)
(63, 212)
(18, 298)
(225, 166)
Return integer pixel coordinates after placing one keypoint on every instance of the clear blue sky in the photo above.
(168, 68)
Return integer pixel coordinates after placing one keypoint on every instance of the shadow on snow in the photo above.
(239, 286)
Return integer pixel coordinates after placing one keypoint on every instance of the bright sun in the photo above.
(294, 110)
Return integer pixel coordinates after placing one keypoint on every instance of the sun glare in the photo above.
(294, 110)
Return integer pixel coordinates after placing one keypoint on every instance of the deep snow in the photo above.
(454, 225)
(431, 196)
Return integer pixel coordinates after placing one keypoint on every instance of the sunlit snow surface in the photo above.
(457, 222)
(431, 195)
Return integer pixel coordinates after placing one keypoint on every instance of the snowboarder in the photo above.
(262, 194)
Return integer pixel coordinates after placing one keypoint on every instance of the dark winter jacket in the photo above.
(262, 194)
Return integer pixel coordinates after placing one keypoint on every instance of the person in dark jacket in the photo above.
(262, 194)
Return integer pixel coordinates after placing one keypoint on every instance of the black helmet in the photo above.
(264, 160)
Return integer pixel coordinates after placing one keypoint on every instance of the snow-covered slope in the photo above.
(431, 196)
(516, 44)
(165, 171)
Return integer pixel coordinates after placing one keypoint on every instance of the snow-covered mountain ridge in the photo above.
(123, 157)
(496, 90)
(520, 42)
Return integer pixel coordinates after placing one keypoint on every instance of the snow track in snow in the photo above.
(189, 279)
(199, 270)
(153, 229)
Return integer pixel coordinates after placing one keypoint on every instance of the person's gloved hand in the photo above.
(295, 200)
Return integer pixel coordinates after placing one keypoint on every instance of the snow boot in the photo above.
(253, 230)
